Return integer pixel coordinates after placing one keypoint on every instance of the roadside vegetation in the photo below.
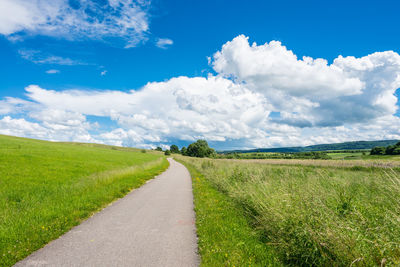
(307, 215)
(225, 236)
(47, 188)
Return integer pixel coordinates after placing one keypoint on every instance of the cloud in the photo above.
(11, 105)
(126, 20)
(164, 43)
(271, 67)
(310, 92)
(45, 130)
(38, 57)
(21, 127)
(103, 73)
(52, 71)
(180, 107)
(261, 96)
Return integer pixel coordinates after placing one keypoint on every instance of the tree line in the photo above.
(198, 149)
(389, 150)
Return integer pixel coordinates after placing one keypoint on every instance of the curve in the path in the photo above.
(151, 226)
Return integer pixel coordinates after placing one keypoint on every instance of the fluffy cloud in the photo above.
(76, 19)
(272, 68)
(11, 105)
(21, 127)
(45, 130)
(261, 96)
(179, 108)
(310, 92)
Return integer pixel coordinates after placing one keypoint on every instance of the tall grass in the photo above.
(225, 236)
(316, 216)
(47, 188)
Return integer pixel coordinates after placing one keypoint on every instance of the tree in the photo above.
(183, 151)
(378, 150)
(174, 149)
(159, 148)
(396, 151)
(167, 152)
(390, 150)
(200, 149)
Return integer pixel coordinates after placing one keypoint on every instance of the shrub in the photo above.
(167, 152)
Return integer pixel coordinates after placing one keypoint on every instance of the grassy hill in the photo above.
(47, 188)
(356, 145)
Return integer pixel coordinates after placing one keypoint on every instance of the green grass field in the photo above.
(303, 215)
(363, 156)
(347, 156)
(327, 155)
(47, 188)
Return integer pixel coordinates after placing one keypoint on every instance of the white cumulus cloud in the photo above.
(260, 96)
(179, 108)
(311, 92)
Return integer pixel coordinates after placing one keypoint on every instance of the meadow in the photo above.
(47, 188)
(297, 212)
(363, 155)
(313, 155)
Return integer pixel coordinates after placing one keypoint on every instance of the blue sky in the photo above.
(173, 45)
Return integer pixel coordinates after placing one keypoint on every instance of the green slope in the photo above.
(46, 188)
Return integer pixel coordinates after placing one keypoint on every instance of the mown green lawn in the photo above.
(47, 188)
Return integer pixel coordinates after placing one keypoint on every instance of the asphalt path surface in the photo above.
(151, 226)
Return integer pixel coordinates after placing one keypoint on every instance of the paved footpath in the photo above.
(151, 226)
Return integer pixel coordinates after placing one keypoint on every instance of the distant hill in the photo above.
(323, 147)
